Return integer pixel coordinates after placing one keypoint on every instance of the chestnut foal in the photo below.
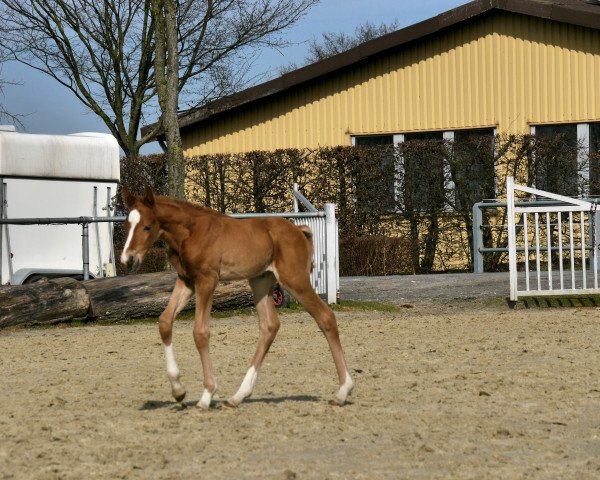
(205, 247)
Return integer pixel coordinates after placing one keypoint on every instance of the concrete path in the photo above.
(425, 289)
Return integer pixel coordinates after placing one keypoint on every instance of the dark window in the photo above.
(423, 136)
(375, 178)
(595, 137)
(554, 163)
(368, 141)
(423, 154)
(472, 166)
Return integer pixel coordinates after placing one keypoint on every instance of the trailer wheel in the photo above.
(281, 297)
(37, 277)
(34, 278)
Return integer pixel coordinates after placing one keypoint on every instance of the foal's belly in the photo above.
(248, 263)
(230, 274)
(247, 250)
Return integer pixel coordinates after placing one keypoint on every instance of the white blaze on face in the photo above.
(133, 218)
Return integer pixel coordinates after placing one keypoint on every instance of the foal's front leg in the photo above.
(205, 287)
(179, 299)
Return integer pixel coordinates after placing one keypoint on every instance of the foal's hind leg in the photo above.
(179, 299)
(303, 291)
(262, 288)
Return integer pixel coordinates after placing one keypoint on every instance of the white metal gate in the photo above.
(325, 277)
(325, 274)
(553, 250)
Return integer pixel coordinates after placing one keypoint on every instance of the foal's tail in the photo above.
(305, 229)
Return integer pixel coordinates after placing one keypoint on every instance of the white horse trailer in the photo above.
(55, 176)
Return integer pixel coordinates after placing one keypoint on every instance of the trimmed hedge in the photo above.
(375, 255)
(409, 204)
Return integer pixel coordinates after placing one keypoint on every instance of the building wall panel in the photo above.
(504, 70)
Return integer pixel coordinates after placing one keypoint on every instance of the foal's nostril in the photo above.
(124, 257)
(130, 261)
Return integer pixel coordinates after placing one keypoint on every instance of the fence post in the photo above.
(512, 241)
(596, 238)
(1, 227)
(296, 209)
(6, 232)
(97, 228)
(330, 253)
(109, 213)
(85, 250)
(477, 238)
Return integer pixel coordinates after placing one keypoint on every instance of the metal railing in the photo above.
(562, 239)
(480, 250)
(325, 275)
(85, 234)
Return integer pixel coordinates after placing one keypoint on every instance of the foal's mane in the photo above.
(182, 206)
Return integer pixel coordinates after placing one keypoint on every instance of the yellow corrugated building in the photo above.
(488, 67)
(507, 66)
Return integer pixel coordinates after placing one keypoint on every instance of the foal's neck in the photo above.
(176, 219)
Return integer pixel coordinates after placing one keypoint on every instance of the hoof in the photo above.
(343, 392)
(205, 400)
(231, 403)
(179, 397)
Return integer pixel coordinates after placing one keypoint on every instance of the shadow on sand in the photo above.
(158, 404)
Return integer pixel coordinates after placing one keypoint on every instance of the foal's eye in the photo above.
(147, 228)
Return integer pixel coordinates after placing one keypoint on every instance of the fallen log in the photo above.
(43, 302)
(112, 299)
(142, 296)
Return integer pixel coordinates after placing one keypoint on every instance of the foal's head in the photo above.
(141, 226)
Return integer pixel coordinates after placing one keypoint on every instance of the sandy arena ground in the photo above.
(469, 391)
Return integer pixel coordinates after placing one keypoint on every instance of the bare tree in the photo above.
(331, 43)
(104, 51)
(101, 51)
(216, 39)
(166, 74)
(5, 115)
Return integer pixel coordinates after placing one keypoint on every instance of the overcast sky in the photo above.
(53, 109)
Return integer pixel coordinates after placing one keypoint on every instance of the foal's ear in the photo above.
(128, 198)
(149, 196)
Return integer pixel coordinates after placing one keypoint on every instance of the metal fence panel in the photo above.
(325, 274)
(553, 249)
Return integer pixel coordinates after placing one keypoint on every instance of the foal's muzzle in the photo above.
(131, 262)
